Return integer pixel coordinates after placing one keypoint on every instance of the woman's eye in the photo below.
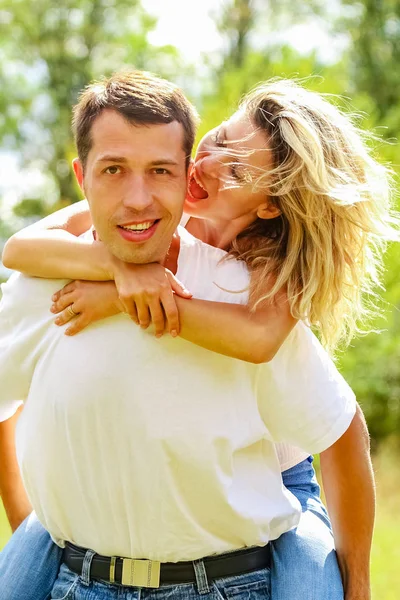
(235, 171)
(114, 170)
(218, 140)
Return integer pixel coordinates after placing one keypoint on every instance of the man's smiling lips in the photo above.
(139, 231)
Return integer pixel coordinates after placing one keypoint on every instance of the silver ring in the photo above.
(71, 311)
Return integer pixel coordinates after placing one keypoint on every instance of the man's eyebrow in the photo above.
(112, 158)
(122, 159)
(164, 161)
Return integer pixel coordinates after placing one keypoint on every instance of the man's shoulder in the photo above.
(311, 369)
(22, 290)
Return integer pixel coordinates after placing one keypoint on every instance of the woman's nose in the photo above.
(210, 163)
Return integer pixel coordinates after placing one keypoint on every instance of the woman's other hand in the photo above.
(85, 302)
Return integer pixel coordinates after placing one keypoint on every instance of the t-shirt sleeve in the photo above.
(22, 325)
(303, 399)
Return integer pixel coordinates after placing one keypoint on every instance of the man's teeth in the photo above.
(139, 226)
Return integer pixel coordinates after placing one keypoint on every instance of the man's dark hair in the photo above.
(141, 98)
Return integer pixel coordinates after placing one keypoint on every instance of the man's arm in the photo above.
(349, 486)
(12, 491)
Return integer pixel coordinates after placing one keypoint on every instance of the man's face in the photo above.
(135, 181)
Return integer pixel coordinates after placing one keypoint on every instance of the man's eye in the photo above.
(161, 171)
(114, 170)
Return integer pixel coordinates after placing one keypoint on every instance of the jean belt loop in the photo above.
(87, 563)
(201, 577)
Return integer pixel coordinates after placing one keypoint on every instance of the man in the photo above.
(146, 485)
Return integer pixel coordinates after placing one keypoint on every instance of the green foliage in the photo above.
(375, 31)
(30, 206)
(50, 51)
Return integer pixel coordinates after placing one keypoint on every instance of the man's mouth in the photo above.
(138, 232)
(196, 190)
(138, 226)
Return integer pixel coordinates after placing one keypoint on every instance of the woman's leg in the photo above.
(29, 563)
(304, 563)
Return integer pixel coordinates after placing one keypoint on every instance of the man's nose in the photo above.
(137, 195)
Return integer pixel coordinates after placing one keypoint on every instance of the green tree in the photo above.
(374, 27)
(50, 51)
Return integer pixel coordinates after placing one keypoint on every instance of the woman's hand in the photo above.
(85, 302)
(147, 294)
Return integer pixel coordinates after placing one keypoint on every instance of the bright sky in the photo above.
(189, 25)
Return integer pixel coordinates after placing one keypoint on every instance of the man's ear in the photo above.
(268, 210)
(78, 170)
(190, 167)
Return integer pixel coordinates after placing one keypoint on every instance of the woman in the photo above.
(287, 186)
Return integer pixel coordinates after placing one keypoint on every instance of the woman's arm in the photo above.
(235, 330)
(349, 487)
(229, 329)
(12, 491)
(50, 248)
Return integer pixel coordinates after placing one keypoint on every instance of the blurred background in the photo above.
(216, 50)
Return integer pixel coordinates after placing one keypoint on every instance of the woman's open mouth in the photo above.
(195, 189)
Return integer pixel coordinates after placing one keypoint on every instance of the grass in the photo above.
(385, 566)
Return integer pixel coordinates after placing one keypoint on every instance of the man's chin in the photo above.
(139, 255)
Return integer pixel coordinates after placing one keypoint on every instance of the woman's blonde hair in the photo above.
(326, 248)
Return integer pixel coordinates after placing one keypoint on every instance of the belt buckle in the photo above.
(140, 573)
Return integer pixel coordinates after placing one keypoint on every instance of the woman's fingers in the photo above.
(64, 316)
(70, 287)
(77, 325)
(62, 303)
(177, 286)
(171, 313)
(157, 317)
(143, 314)
(129, 307)
(133, 313)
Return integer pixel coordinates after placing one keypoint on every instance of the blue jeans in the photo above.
(304, 564)
(251, 586)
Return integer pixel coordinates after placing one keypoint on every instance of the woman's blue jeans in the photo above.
(304, 564)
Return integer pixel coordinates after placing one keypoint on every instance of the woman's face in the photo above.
(229, 159)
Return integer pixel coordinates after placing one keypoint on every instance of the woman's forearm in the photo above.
(12, 491)
(234, 330)
(350, 494)
(57, 254)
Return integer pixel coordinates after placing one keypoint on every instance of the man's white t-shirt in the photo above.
(156, 448)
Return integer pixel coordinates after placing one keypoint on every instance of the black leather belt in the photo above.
(146, 573)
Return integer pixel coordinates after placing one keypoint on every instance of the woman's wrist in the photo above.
(110, 263)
